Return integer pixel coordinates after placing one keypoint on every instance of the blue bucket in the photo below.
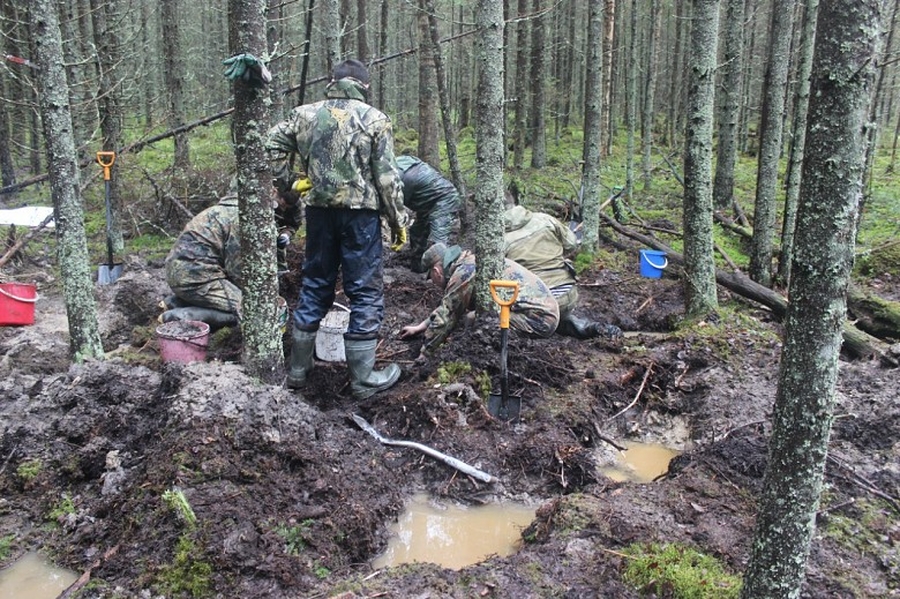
(653, 262)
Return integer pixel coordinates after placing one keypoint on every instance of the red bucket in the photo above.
(17, 303)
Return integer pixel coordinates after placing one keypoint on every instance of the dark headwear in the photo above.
(439, 252)
(351, 68)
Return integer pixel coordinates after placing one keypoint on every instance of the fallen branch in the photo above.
(636, 396)
(23, 240)
(86, 575)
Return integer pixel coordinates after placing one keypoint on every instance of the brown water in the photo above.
(33, 577)
(640, 462)
(454, 536)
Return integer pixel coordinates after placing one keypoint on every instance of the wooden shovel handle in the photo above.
(504, 303)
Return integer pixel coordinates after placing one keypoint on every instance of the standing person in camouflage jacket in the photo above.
(203, 268)
(534, 313)
(435, 201)
(540, 243)
(345, 147)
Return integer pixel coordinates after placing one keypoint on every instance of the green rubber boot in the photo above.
(303, 346)
(364, 380)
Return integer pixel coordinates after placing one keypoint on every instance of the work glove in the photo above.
(398, 239)
(302, 185)
(248, 68)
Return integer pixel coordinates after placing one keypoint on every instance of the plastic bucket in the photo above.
(330, 340)
(653, 262)
(183, 341)
(17, 303)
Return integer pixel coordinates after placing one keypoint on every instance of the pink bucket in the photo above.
(17, 303)
(183, 341)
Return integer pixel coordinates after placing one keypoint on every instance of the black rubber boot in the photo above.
(582, 328)
(364, 380)
(214, 318)
(303, 346)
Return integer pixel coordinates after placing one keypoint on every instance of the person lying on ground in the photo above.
(535, 313)
(435, 202)
(542, 243)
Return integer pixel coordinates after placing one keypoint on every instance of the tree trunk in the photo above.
(729, 96)
(520, 134)
(173, 74)
(770, 142)
(609, 21)
(331, 27)
(700, 267)
(109, 100)
(830, 191)
(72, 253)
(446, 112)
(262, 354)
(382, 50)
(7, 167)
(593, 93)
(362, 38)
(798, 142)
(428, 98)
(489, 150)
(649, 88)
(631, 100)
(538, 87)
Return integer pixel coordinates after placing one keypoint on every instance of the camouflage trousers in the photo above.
(202, 285)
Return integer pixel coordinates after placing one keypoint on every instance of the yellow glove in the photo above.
(398, 238)
(302, 185)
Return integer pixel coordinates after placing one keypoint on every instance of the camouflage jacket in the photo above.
(208, 248)
(425, 188)
(346, 148)
(535, 312)
(540, 243)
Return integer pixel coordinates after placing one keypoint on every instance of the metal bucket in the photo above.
(330, 340)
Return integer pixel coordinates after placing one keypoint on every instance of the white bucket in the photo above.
(330, 340)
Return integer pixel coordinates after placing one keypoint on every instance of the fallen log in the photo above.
(872, 314)
(857, 343)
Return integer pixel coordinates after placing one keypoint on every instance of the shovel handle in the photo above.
(106, 160)
(504, 303)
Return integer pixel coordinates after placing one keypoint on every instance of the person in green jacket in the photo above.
(541, 243)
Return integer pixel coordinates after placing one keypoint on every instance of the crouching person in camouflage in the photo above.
(345, 147)
(203, 268)
(535, 312)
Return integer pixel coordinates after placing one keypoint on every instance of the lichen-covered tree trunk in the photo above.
(798, 141)
(72, 254)
(729, 102)
(105, 14)
(593, 98)
(538, 82)
(648, 108)
(263, 355)
(428, 149)
(631, 99)
(331, 26)
(830, 191)
(699, 262)
(770, 141)
(520, 131)
(489, 151)
(609, 21)
(173, 75)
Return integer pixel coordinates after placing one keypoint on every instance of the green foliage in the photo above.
(450, 372)
(29, 469)
(294, 536)
(322, 572)
(65, 507)
(185, 576)
(6, 546)
(879, 261)
(670, 570)
(177, 502)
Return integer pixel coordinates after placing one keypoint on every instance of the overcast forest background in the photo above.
(566, 102)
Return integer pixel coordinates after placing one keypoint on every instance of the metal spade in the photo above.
(109, 272)
(501, 405)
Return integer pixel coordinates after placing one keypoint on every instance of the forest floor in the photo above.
(87, 451)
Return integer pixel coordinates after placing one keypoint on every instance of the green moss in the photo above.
(670, 570)
(451, 372)
(29, 469)
(185, 576)
(294, 536)
(177, 502)
(6, 546)
(65, 507)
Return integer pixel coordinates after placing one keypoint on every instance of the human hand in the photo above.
(408, 332)
(398, 239)
(302, 185)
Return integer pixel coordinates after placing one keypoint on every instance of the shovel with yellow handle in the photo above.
(501, 405)
(109, 272)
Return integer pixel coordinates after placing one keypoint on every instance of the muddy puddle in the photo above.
(33, 577)
(640, 462)
(452, 535)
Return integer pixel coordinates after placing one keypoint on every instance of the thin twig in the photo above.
(637, 395)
